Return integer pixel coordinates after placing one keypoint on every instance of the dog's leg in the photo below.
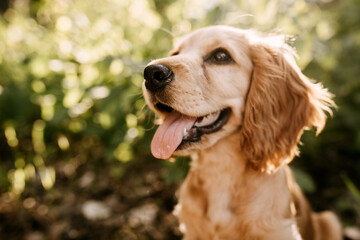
(327, 226)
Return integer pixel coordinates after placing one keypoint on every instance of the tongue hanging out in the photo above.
(170, 134)
(177, 128)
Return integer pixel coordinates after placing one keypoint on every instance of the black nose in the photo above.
(157, 76)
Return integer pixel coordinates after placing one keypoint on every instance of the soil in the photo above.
(92, 204)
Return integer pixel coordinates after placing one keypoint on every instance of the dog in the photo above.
(237, 103)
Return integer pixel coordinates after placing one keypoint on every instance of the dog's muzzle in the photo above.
(157, 76)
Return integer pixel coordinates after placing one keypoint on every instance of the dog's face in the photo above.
(199, 91)
(220, 80)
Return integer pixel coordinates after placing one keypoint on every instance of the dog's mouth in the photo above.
(208, 124)
(178, 130)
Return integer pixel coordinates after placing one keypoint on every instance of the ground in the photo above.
(137, 206)
(94, 204)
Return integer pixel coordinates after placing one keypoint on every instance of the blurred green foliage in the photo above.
(71, 76)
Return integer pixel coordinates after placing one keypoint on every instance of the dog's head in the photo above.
(220, 81)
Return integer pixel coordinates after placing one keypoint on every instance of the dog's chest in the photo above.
(217, 183)
(214, 193)
(219, 201)
(207, 206)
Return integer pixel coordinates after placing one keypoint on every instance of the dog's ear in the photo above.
(281, 103)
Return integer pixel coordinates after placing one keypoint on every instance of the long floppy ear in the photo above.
(281, 103)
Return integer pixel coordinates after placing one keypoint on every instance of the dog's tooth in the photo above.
(207, 120)
(186, 132)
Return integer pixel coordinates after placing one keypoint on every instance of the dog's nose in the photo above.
(157, 76)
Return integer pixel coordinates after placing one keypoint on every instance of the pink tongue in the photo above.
(169, 135)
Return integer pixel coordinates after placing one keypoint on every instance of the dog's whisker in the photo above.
(167, 31)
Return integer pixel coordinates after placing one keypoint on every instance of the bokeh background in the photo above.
(75, 161)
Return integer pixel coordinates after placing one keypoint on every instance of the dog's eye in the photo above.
(219, 56)
(174, 53)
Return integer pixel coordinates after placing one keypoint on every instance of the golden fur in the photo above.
(239, 185)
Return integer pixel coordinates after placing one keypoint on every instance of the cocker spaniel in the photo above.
(236, 101)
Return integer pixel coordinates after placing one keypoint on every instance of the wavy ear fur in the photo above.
(281, 103)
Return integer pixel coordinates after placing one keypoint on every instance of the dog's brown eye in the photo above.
(219, 56)
(174, 53)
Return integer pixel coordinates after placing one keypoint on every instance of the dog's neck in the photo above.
(229, 183)
(229, 155)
